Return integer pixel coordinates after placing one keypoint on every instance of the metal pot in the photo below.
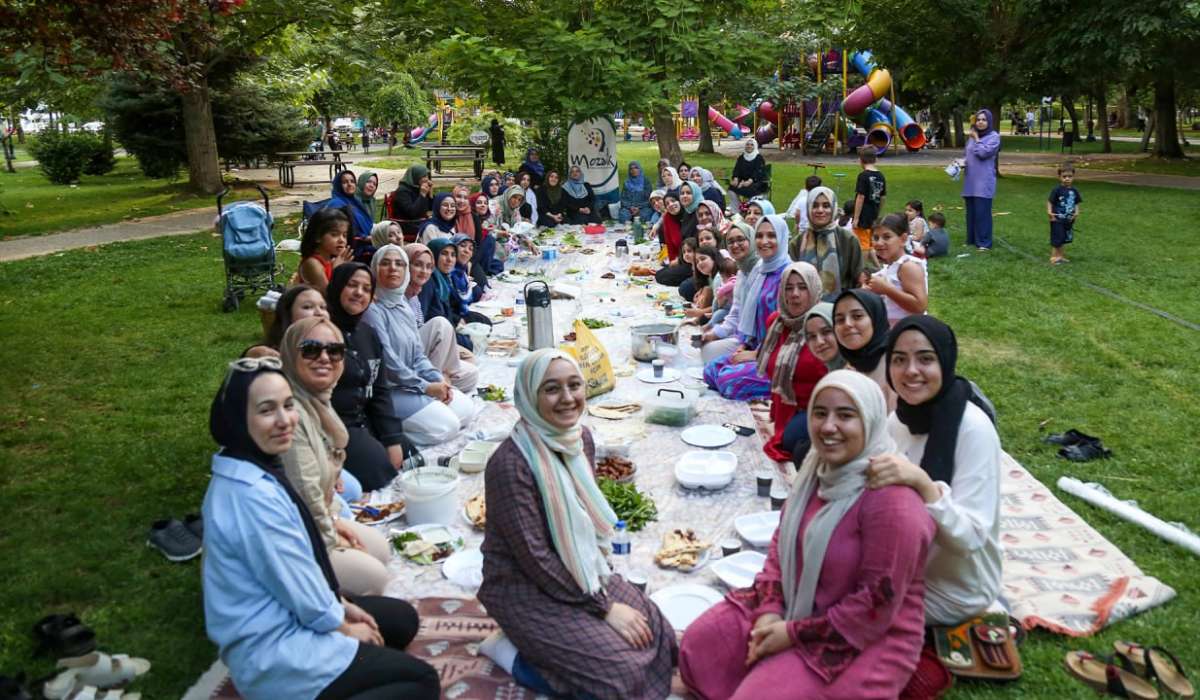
(644, 339)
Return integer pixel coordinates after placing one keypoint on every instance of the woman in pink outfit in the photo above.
(837, 611)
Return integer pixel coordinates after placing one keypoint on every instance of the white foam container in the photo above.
(430, 495)
(706, 469)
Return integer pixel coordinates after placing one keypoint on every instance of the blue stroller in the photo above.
(248, 248)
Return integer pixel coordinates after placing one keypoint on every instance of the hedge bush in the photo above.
(63, 158)
(516, 137)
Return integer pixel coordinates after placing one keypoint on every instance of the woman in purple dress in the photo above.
(569, 626)
(979, 181)
(736, 375)
(837, 611)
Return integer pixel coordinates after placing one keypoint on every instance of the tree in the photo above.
(590, 59)
(400, 101)
(178, 42)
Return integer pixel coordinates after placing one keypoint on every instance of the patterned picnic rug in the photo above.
(451, 629)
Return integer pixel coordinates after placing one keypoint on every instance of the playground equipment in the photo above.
(418, 134)
(882, 117)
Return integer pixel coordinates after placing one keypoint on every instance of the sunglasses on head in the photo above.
(312, 349)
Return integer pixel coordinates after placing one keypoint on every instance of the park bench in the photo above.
(290, 160)
(437, 154)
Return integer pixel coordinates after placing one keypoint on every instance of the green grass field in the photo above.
(32, 205)
(105, 424)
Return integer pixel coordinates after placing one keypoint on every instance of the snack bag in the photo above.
(593, 361)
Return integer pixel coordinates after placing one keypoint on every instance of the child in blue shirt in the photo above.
(1063, 209)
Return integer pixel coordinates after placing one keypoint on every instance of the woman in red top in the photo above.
(785, 358)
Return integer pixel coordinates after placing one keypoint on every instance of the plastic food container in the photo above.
(474, 457)
(671, 407)
(706, 469)
(429, 495)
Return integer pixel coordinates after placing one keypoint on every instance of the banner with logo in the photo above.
(592, 145)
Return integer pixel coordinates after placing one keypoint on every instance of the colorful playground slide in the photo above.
(418, 134)
(868, 103)
(734, 131)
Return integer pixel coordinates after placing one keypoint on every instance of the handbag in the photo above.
(982, 648)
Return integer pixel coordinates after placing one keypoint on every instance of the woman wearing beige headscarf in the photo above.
(837, 611)
(785, 357)
(312, 353)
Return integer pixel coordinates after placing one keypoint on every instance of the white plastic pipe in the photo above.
(1133, 514)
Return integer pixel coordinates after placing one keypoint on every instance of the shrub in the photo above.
(516, 137)
(64, 157)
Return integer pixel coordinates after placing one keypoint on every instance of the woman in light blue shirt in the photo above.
(271, 600)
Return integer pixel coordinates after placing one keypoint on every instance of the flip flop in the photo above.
(104, 671)
(64, 635)
(1103, 676)
(1156, 663)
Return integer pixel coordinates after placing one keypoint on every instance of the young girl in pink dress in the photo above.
(837, 611)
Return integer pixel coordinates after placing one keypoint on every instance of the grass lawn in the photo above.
(105, 424)
(31, 205)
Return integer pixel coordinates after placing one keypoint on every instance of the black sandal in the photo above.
(14, 688)
(64, 635)
(1071, 437)
(1085, 452)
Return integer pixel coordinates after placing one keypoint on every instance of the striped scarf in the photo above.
(579, 517)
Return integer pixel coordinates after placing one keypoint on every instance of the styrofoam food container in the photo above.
(475, 455)
(738, 570)
(706, 469)
(757, 528)
(429, 495)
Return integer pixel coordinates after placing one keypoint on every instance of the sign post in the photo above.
(592, 145)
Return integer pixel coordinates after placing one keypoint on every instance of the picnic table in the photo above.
(436, 154)
(290, 160)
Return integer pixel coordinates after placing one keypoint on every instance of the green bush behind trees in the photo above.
(516, 137)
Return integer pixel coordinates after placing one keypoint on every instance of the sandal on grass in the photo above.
(104, 671)
(68, 686)
(64, 635)
(1156, 663)
(1104, 676)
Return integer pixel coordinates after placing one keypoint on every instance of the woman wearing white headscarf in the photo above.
(568, 624)
(832, 249)
(736, 375)
(749, 177)
(432, 408)
(837, 610)
(720, 338)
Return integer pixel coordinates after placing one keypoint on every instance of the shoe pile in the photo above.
(84, 672)
(178, 541)
(1078, 447)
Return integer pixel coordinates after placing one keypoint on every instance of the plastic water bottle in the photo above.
(621, 549)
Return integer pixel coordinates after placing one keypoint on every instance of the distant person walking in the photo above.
(496, 132)
(979, 182)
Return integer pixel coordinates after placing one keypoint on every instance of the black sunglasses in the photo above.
(312, 349)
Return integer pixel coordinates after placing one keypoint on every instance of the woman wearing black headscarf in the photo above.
(362, 397)
(861, 326)
(271, 598)
(948, 451)
(412, 200)
(496, 132)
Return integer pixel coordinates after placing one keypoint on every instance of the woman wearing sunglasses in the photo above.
(272, 602)
(313, 355)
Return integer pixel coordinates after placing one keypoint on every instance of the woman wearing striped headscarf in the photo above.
(569, 625)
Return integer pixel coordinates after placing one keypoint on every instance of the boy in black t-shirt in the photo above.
(1063, 209)
(869, 193)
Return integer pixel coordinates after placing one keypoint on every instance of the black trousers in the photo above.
(386, 673)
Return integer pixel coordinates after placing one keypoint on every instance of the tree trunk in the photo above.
(1150, 120)
(668, 142)
(959, 137)
(1125, 113)
(200, 137)
(6, 143)
(1069, 106)
(706, 144)
(1166, 130)
(1102, 109)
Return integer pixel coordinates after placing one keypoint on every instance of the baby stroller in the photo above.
(248, 248)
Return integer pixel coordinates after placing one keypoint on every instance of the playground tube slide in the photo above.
(418, 134)
(879, 83)
(911, 132)
(734, 131)
(879, 129)
(766, 111)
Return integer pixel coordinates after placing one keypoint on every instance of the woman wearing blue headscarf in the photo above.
(345, 194)
(635, 195)
(534, 166)
(580, 200)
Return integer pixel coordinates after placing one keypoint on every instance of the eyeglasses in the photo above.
(253, 364)
(312, 349)
(736, 241)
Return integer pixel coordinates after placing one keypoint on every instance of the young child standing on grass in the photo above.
(870, 191)
(903, 281)
(1063, 209)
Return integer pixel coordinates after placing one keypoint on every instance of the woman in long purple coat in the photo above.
(979, 181)
(568, 624)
